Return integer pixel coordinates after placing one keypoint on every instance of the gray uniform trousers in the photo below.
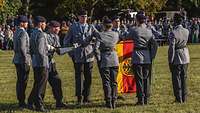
(179, 76)
(109, 79)
(39, 86)
(83, 85)
(22, 79)
(55, 82)
(143, 81)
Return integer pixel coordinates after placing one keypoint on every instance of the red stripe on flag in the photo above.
(129, 84)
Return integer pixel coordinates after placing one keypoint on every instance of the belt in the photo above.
(107, 50)
(182, 47)
(141, 48)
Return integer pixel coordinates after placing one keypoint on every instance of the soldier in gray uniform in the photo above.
(109, 62)
(122, 33)
(117, 27)
(81, 32)
(178, 57)
(144, 52)
(40, 63)
(53, 78)
(22, 58)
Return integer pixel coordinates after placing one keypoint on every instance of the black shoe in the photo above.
(41, 109)
(120, 97)
(145, 101)
(139, 103)
(184, 98)
(86, 101)
(22, 105)
(178, 101)
(113, 104)
(109, 104)
(30, 106)
(79, 100)
(61, 105)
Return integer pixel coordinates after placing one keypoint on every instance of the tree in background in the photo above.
(191, 6)
(8, 8)
(66, 7)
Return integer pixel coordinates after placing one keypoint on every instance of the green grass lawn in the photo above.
(162, 99)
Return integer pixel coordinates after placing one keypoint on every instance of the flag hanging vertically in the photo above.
(125, 78)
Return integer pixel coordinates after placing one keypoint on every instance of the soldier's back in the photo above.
(108, 42)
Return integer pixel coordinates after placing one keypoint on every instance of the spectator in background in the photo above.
(1, 37)
(30, 24)
(63, 31)
(8, 44)
(195, 31)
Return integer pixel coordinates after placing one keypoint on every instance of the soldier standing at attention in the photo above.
(40, 63)
(22, 59)
(178, 57)
(144, 52)
(109, 62)
(81, 32)
(53, 78)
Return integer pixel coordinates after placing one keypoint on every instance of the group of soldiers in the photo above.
(88, 43)
(39, 48)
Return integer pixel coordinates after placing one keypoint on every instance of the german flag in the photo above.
(125, 78)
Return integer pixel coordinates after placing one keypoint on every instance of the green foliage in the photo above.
(9, 8)
(196, 2)
(67, 7)
(149, 5)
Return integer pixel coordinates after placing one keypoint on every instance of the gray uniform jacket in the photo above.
(53, 40)
(122, 33)
(81, 34)
(21, 47)
(178, 52)
(108, 41)
(145, 47)
(39, 48)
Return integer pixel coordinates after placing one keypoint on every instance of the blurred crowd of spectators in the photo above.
(160, 27)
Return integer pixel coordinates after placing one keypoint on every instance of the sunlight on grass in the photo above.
(161, 101)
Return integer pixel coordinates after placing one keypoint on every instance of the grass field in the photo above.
(162, 99)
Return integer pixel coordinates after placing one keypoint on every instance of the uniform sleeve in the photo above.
(22, 43)
(50, 46)
(153, 45)
(95, 33)
(171, 50)
(67, 42)
(58, 41)
(128, 35)
(93, 37)
(41, 45)
(156, 33)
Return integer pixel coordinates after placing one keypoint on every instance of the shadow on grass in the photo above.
(11, 108)
(72, 106)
